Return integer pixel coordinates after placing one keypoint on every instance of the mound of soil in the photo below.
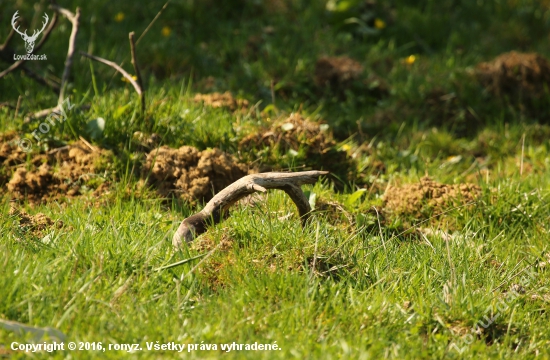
(427, 197)
(79, 168)
(191, 174)
(34, 224)
(514, 73)
(343, 73)
(337, 72)
(59, 173)
(225, 100)
(291, 133)
(311, 142)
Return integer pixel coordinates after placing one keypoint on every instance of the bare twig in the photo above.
(315, 251)
(40, 79)
(522, 153)
(18, 63)
(75, 21)
(8, 39)
(136, 69)
(18, 106)
(6, 104)
(93, 148)
(214, 210)
(210, 253)
(117, 68)
(43, 113)
(152, 22)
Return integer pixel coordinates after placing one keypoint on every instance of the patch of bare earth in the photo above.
(205, 244)
(342, 73)
(191, 174)
(428, 197)
(514, 73)
(298, 135)
(215, 271)
(337, 71)
(60, 173)
(36, 225)
(219, 100)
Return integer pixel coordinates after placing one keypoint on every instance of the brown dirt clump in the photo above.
(145, 141)
(291, 133)
(310, 142)
(191, 174)
(427, 197)
(340, 74)
(337, 72)
(225, 100)
(514, 73)
(205, 243)
(59, 173)
(36, 225)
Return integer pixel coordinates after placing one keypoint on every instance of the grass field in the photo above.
(392, 265)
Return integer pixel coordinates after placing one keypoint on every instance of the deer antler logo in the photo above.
(29, 40)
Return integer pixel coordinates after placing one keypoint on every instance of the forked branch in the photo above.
(75, 22)
(138, 83)
(215, 208)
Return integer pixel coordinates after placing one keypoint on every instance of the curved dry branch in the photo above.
(215, 208)
(117, 68)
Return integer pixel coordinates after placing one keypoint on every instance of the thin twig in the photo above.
(6, 104)
(136, 70)
(93, 148)
(184, 261)
(18, 106)
(152, 22)
(47, 32)
(43, 113)
(117, 68)
(183, 276)
(522, 153)
(315, 250)
(8, 39)
(273, 92)
(380, 229)
(75, 21)
(39, 79)
(451, 265)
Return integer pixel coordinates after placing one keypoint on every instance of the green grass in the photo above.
(378, 289)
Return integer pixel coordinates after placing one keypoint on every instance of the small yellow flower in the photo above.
(119, 17)
(346, 147)
(126, 80)
(166, 31)
(379, 23)
(409, 60)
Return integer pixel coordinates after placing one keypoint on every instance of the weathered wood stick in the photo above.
(214, 209)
